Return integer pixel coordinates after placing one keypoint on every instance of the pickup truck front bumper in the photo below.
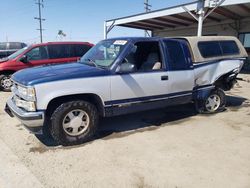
(33, 121)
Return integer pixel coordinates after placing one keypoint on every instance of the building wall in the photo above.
(229, 28)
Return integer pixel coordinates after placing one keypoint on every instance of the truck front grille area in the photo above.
(14, 90)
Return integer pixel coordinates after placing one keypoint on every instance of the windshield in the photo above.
(17, 53)
(104, 53)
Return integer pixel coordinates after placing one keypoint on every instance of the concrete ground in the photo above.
(173, 147)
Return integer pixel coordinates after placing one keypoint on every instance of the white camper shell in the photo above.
(231, 45)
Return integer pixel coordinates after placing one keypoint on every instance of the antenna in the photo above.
(40, 19)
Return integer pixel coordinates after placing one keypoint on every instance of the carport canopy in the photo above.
(183, 16)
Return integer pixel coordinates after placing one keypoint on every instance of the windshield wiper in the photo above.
(91, 62)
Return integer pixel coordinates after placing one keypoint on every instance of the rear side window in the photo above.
(177, 60)
(58, 51)
(229, 47)
(217, 48)
(79, 49)
(210, 49)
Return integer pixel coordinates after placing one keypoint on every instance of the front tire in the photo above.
(5, 82)
(74, 122)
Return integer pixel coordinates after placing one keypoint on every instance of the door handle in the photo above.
(164, 77)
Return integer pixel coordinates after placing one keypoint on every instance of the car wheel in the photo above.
(5, 82)
(74, 122)
(215, 102)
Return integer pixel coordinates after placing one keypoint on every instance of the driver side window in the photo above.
(37, 53)
(145, 56)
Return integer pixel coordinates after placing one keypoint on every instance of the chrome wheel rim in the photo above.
(213, 103)
(76, 122)
(6, 82)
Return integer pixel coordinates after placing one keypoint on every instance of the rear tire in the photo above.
(215, 102)
(74, 123)
(5, 82)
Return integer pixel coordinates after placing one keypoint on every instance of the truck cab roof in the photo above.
(205, 48)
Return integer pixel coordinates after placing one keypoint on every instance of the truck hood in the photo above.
(50, 73)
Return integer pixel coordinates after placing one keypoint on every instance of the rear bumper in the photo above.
(33, 121)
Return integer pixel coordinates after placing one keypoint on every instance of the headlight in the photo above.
(27, 105)
(27, 93)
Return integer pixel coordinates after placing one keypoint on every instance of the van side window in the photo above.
(177, 60)
(79, 49)
(59, 51)
(37, 53)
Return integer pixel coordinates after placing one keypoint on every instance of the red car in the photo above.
(40, 54)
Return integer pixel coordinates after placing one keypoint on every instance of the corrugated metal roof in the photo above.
(176, 16)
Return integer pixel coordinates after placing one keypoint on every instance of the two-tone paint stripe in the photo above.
(147, 99)
(202, 64)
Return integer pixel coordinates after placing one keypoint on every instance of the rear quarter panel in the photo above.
(208, 73)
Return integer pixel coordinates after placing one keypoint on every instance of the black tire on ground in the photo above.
(202, 106)
(60, 115)
(5, 82)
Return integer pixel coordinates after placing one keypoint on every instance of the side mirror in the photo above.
(24, 59)
(126, 68)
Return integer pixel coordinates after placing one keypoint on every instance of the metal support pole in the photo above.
(105, 30)
(200, 12)
(200, 23)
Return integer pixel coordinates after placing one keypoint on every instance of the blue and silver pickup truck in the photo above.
(125, 75)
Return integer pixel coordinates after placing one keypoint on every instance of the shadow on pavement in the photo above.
(143, 121)
(46, 139)
(132, 123)
(236, 102)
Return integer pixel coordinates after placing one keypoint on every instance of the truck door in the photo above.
(149, 82)
(180, 66)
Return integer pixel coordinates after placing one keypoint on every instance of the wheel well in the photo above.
(7, 72)
(92, 98)
(220, 81)
(224, 82)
